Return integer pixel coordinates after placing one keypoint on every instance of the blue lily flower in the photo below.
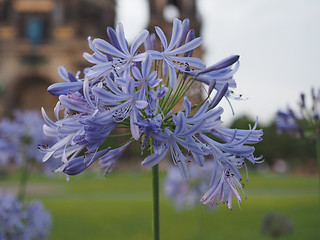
(20, 137)
(129, 105)
(145, 78)
(224, 185)
(122, 58)
(183, 135)
(77, 165)
(72, 84)
(171, 60)
(287, 122)
(220, 73)
(233, 142)
(151, 127)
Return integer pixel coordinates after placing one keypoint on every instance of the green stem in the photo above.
(23, 181)
(164, 101)
(180, 94)
(318, 160)
(156, 208)
(175, 95)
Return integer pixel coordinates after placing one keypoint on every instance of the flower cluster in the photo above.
(20, 137)
(18, 221)
(304, 123)
(140, 88)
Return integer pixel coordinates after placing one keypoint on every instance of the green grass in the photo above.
(90, 206)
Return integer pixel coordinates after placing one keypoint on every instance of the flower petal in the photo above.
(63, 73)
(136, 73)
(154, 159)
(113, 38)
(63, 88)
(188, 46)
(106, 47)
(138, 41)
(122, 39)
(184, 30)
(176, 32)
(222, 64)
(162, 37)
(146, 66)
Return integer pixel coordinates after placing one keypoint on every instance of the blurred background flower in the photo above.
(187, 195)
(22, 221)
(21, 137)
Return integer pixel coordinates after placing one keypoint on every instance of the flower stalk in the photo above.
(23, 180)
(156, 203)
(318, 160)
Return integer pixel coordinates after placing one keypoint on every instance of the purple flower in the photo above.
(184, 134)
(139, 92)
(11, 221)
(20, 137)
(117, 55)
(145, 78)
(233, 142)
(65, 131)
(151, 128)
(225, 184)
(169, 55)
(287, 122)
(305, 121)
(219, 77)
(129, 105)
(78, 164)
(19, 221)
(38, 221)
(72, 84)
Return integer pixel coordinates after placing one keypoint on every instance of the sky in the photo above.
(277, 40)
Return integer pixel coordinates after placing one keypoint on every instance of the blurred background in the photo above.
(278, 44)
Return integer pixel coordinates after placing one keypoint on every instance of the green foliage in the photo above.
(274, 145)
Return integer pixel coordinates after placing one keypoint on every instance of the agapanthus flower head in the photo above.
(140, 92)
(22, 221)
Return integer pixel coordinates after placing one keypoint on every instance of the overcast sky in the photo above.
(277, 40)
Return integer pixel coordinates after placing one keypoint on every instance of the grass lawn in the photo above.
(118, 207)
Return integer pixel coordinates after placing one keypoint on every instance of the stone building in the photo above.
(37, 36)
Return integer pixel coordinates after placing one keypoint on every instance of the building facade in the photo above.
(37, 36)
